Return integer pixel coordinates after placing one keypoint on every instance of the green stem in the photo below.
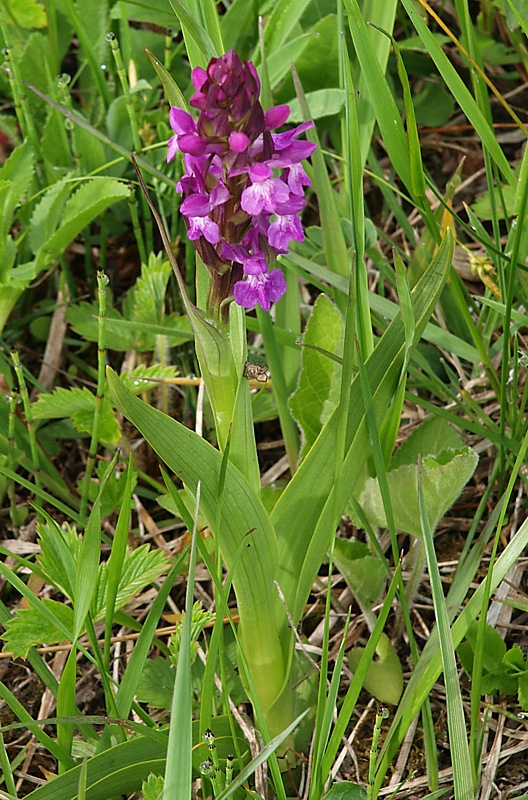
(29, 416)
(280, 391)
(102, 282)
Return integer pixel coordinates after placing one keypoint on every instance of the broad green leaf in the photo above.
(96, 195)
(284, 18)
(156, 683)
(346, 790)
(430, 438)
(79, 405)
(200, 46)
(47, 214)
(384, 678)
(156, 12)
(364, 573)
(128, 334)
(324, 331)
(322, 103)
(315, 56)
(29, 628)
(119, 770)
(25, 14)
(443, 479)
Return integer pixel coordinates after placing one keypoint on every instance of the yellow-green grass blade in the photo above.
(456, 723)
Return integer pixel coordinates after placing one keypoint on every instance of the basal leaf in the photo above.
(156, 683)
(324, 330)
(430, 438)
(364, 573)
(443, 479)
(384, 678)
(29, 628)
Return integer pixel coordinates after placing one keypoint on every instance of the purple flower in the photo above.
(263, 289)
(243, 186)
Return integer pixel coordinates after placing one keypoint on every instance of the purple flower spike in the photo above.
(243, 186)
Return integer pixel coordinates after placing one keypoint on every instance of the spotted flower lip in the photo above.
(243, 184)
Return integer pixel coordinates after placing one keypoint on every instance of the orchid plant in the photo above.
(239, 212)
(243, 189)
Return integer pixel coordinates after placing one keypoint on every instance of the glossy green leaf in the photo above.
(322, 103)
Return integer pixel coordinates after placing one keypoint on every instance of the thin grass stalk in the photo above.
(134, 126)
(115, 562)
(6, 768)
(381, 714)
(23, 114)
(513, 256)
(13, 512)
(478, 657)
(350, 699)
(102, 283)
(85, 39)
(136, 227)
(280, 390)
(35, 457)
(462, 772)
(51, 745)
(354, 184)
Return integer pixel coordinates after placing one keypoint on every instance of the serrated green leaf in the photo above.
(59, 550)
(324, 330)
(47, 214)
(152, 788)
(29, 628)
(522, 694)
(79, 405)
(96, 195)
(443, 480)
(140, 567)
(145, 301)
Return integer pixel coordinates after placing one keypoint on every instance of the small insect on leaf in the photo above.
(256, 372)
